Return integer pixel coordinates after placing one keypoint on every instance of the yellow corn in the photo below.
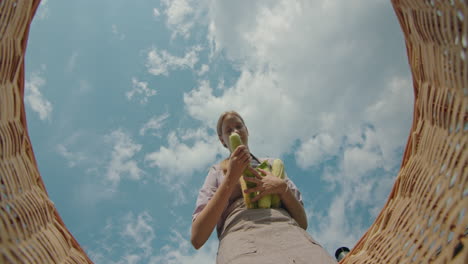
(278, 171)
(268, 201)
(235, 141)
(265, 201)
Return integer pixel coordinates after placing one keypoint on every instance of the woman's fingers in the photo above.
(255, 173)
(254, 189)
(264, 172)
(240, 149)
(246, 159)
(241, 153)
(260, 192)
(252, 179)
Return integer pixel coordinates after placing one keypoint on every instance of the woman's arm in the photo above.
(205, 222)
(209, 216)
(269, 184)
(294, 207)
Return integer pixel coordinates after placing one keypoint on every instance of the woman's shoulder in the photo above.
(216, 166)
(219, 165)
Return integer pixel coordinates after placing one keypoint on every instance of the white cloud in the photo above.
(195, 153)
(333, 228)
(140, 231)
(180, 251)
(203, 69)
(161, 62)
(76, 149)
(316, 79)
(72, 62)
(156, 12)
(323, 80)
(34, 98)
(361, 181)
(73, 158)
(316, 150)
(43, 10)
(391, 114)
(117, 32)
(141, 89)
(104, 161)
(131, 259)
(122, 162)
(179, 16)
(182, 159)
(345, 220)
(128, 239)
(155, 123)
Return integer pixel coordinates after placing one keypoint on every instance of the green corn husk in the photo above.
(235, 141)
(278, 171)
(265, 201)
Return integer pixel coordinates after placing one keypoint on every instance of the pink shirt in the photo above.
(214, 179)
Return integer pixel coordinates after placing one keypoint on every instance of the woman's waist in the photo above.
(241, 219)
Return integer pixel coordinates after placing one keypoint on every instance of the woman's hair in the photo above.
(224, 164)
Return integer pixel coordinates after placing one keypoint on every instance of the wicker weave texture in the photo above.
(424, 220)
(31, 231)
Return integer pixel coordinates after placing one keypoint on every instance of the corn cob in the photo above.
(235, 141)
(268, 201)
(278, 171)
(265, 201)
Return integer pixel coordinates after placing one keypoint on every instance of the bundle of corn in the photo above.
(277, 169)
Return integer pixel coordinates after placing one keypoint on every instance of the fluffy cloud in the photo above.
(122, 161)
(316, 83)
(127, 239)
(326, 80)
(34, 98)
(73, 158)
(180, 251)
(43, 10)
(190, 152)
(345, 219)
(187, 152)
(391, 115)
(104, 161)
(140, 231)
(332, 228)
(141, 89)
(203, 69)
(155, 123)
(161, 62)
(179, 16)
(316, 150)
(156, 12)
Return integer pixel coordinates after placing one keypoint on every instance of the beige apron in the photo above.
(261, 236)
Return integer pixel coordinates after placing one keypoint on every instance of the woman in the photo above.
(274, 235)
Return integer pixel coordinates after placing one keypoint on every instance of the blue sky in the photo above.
(122, 98)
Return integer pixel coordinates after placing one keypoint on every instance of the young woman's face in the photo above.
(232, 123)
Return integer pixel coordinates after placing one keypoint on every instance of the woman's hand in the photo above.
(238, 162)
(268, 184)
